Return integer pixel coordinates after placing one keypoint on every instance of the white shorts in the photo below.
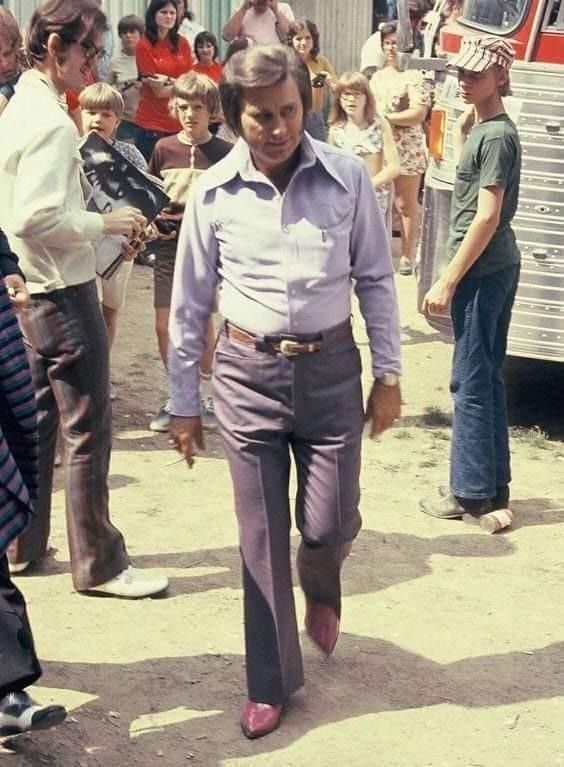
(111, 292)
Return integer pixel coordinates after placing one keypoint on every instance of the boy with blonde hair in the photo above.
(179, 160)
(102, 108)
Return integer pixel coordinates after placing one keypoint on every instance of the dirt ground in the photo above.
(452, 644)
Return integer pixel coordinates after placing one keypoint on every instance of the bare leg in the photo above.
(110, 318)
(161, 328)
(407, 204)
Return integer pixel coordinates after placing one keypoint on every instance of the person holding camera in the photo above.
(43, 212)
(262, 22)
(304, 38)
(179, 160)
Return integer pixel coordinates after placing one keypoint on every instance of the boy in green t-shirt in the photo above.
(479, 282)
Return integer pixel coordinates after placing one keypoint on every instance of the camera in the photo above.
(319, 80)
(166, 227)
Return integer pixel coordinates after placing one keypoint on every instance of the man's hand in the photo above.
(127, 220)
(383, 407)
(130, 250)
(151, 233)
(17, 290)
(187, 432)
(437, 299)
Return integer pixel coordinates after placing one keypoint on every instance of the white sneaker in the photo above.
(18, 568)
(132, 584)
(405, 266)
(161, 421)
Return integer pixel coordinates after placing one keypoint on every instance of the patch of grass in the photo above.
(534, 437)
(393, 468)
(429, 463)
(441, 436)
(435, 416)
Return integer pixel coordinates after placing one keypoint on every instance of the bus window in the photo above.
(554, 18)
(496, 15)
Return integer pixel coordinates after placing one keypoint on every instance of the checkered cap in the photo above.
(479, 53)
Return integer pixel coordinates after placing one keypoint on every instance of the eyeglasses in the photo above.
(89, 50)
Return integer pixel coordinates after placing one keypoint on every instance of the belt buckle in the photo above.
(290, 348)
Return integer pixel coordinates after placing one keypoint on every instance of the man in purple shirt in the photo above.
(283, 226)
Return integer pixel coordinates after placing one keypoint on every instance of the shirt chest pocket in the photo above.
(467, 178)
(323, 239)
(250, 242)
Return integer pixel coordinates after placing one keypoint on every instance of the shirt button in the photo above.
(286, 229)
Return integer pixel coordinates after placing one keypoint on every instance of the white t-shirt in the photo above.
(371, 54)
(189, 30)
(260, 28)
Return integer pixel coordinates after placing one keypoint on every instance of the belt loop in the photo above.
(260, 343)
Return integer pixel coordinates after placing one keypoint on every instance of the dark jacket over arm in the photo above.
(8, 259)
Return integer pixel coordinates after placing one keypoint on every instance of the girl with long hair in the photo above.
(354, 125)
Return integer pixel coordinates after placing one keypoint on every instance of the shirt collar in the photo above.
(239, 163)
(37, 76)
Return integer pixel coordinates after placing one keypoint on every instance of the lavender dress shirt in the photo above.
(282, 262)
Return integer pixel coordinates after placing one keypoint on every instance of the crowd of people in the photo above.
(278, 178)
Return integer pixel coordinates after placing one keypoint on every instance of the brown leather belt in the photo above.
(288, 344)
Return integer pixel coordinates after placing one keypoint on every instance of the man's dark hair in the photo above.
(260, 67)
(71, 20)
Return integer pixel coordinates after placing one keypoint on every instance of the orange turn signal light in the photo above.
(437, 133)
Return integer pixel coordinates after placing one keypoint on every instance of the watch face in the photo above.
(390, 379)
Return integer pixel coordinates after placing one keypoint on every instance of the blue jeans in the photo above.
(481, 312)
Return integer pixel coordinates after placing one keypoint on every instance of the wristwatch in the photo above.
(388, 379)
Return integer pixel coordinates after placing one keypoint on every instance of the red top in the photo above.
(72, 100)
(213, 71)
(160, 59)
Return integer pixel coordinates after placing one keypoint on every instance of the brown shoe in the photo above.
(322, 625)
(259, 719)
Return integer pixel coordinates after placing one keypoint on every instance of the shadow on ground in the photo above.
(535, 394)
(204, 727)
